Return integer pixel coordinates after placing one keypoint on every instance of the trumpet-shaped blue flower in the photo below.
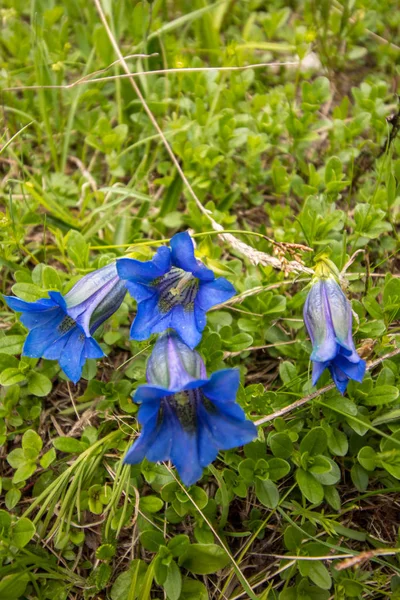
(328, 318)
(173, 290)
(61, 327)
(187, 417)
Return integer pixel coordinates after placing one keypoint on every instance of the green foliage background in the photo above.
(304, 154)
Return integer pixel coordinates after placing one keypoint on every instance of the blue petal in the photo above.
(140, 291)
(182, 253)
(148, 411)
(54, 351)
(185, 455)
(59, 299)
(208, 451)
(145, 271)
(353, 370)
(90, 285)
(340, 312)
(21, 306)
(172, 364)
(227, 433)
(223, 386)
(341, 380)
(147, 316)
(137, 452)
(161, 447)
(319, 324)
(92, 349)
(33, 313)
(214, 292)
(40, 338)
(73, 358)
(200, 317)
(149, 393)
(318, 369)
(184, 322)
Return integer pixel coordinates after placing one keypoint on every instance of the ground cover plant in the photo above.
(223, 424)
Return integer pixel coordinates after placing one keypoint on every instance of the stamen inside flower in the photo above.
(184, 406)
(176, 287)
(66, 324)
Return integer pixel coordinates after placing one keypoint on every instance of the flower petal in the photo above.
(147, 316)
(92, 349)
(140, 291)
(182, 254)
(214, 292)
(223, 386)
(145, 271)
(137, 452)
(172, 364)
(185, 455)
(341, 380)
(40, 338)
(319, 324)
(341, 315)
(150, 393)
(318, 369)
(184, 322)
(226, 432)
(73, 358)
(353, 370)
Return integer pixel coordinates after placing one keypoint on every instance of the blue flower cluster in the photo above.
(186, 416)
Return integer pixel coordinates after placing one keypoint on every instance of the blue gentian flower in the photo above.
(61, 327)
(186, 416)
(328, 318)
(173, 290)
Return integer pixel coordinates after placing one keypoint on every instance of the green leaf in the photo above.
(22, 533)
(13, 586)
(384, 394)
(317, 572)
(337, 442)
(11, 376)
(203, 559)
(287, 372)
(319, 464)
(178, 545)
(48, 458)
(69, 445)
(332, 496)
(277, 468)
(315, 442)
(309, 486)
(105, 552)
(267, 493)
(24, 472)
(16, 458)
(173, 582)
(193, 590)
(152, 539)
(12, 498)
(11, 344)
(151, 504)
(38, 384)
(367, 458)
(31, 439)
(27, 291)
(128, 584)
(281, 445)
(199, 496)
